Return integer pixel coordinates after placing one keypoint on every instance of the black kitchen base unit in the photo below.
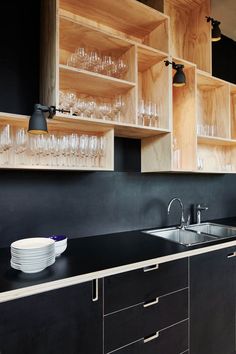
(212, 302)
(64, 321)
(172, 340)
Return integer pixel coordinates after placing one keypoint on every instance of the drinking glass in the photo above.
(105, 110)
(6, 143)
(141, 112)
(82, 57)
(20, 145)
(118, 105)
(72, 60)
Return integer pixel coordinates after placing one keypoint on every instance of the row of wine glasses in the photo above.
(91, 107)
(72, 150)
(96, 61)
(148, 113)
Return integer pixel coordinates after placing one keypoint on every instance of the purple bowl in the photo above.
(58, 237)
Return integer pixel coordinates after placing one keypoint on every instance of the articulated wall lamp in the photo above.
(216, 32)
(38, 122)
(179, 78)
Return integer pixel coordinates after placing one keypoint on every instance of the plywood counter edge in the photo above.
(57, 284)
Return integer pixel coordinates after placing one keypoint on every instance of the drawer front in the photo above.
(173, 340)
(127, 289)
(127, 326)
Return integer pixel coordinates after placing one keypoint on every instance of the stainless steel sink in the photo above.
(183, 237)
(217, 230)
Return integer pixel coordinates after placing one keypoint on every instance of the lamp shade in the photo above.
(216, 32)
(37, 122)
(179, 78)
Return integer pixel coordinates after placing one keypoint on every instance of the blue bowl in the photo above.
(58, 237)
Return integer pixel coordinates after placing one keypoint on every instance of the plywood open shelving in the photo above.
(145, 38)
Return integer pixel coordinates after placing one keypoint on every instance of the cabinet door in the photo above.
(212, 303)
(63, 321)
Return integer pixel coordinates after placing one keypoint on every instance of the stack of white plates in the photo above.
(31, 255)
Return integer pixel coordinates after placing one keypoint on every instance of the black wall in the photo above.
(34, 203)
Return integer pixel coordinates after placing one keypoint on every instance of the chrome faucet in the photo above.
(199, 210)
(183, 223)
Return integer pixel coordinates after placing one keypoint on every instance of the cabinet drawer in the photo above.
(127, 289)
(127, 326)
(173, 340)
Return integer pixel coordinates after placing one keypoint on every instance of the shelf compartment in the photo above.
(189, 31)
(59, 128)
(213, 104)
(74, 35)
(154, 83)
(127, 18)
(91, 83)
(184, 119)
(217, 158)
(99, 86)
(156, 153)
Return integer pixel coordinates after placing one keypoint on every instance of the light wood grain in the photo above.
(147, 57)
(214, 105)
(128, 16)
(233, 114)
(49, 52)
(217, 158)
(184, 120)
(156, 154)
(190, 33)
(211, 140)
(92, 83)
(155, 85)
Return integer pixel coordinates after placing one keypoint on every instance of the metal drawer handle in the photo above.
(231, 255)
(95, 290)
(147, 304)
(149, 339)
(150, 268)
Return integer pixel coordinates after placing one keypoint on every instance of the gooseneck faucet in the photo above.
(182, 219)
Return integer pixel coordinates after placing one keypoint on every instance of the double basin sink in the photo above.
(195, 234)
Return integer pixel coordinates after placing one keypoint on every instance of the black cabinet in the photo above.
(63, 321)
(129, 325)
(141, 285)
(212, 302)
(173, 340)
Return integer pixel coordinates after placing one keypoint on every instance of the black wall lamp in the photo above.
(179, 78)
(38, 122)
(215, 32)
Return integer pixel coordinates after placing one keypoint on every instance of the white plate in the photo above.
(32, 243)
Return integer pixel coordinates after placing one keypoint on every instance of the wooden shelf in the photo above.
(212, 140)
(74, 35)
(184, 118)
(189, 31)
(131, 30)
(121, 129)
(127, 17)
(91, 83)
(213, 104)
(154, 83)
(59, 128)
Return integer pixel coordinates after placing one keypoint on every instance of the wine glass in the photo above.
(118, 105)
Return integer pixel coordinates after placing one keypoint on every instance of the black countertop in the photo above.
(96, 253)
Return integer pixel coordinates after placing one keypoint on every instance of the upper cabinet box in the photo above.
(127, 18)
(190, 34)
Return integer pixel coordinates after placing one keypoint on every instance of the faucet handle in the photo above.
(188, 220)
(202, 207)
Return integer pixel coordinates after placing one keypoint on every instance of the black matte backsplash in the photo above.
(34, 203)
